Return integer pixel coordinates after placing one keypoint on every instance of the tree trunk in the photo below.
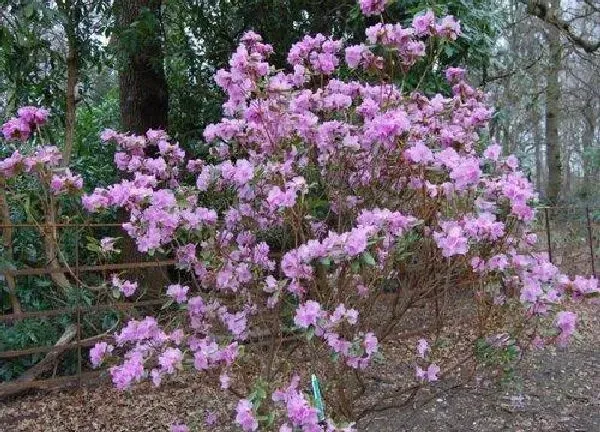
(72, 60)
(587, 144)
(537, 141)
(143, 100)
(142, 82)
(553, 95)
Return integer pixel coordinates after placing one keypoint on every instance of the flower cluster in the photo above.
(28, 119)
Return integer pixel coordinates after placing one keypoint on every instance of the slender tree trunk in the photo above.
(587, 143)
(553, 98)
(537, 138)
(72, 60)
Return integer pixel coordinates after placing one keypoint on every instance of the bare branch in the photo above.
(540, 9)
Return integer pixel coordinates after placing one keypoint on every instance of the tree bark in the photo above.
(142, 83)
(553, 95)
(72, 60)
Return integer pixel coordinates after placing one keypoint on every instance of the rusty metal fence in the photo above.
(570, 236)
(74, 338)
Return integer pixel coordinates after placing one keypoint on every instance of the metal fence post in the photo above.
(590, 239)
(78, 287)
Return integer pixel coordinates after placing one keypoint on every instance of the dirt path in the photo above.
(556, 391)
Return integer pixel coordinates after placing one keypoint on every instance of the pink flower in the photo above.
(99, 352)
(454, 75)
(65, 182)
(452, 240)
(424, 24)
(126, 287)
(225, 381)
(211, 418)
(419, 153)
(565, 321)
(430, 374)
(449, 27)
(16, 129)
(170, 360)
(493, 152)
(354, 55)
(422, 348)
(178, 292)
(370, 343)
(245, 417)
(372, 7)
(307, 314)
(33, 115)
(356, 242)
(179, 428)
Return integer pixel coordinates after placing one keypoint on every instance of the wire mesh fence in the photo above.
(570, 236)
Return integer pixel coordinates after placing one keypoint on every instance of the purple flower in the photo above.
(356, 243)
(565, 321)
(126, 287)
(170, 359)
(493, 152)
(178, 292)
(419, 153)
(245, 417)
(211, 418)
(307, 314)
(429, 374)
(99, 352)
(16, 129)
(372, 7)
(370, 343)
(424, 24)
(354, 55)
(33, 115)
(179, 428)
(422, 348)
(454, 74)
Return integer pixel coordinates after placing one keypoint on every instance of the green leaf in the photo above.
(368, 258)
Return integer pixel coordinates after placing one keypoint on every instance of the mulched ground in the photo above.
(556, 391)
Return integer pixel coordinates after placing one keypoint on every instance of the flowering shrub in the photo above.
(329, 191)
